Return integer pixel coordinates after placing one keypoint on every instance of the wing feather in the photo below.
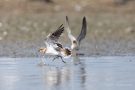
(55, 35)
(71, 37)
(52, 39)
(83, 31)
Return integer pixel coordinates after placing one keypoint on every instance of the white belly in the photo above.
(51, 51)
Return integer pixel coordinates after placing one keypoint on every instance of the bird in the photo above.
(54, 47)
(75, 42)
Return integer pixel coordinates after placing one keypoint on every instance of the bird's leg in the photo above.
(58, 56)
(62, 59)
(41, 62)
(55, 57)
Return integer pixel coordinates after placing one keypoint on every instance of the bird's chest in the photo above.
(74, 45)
(51, 50)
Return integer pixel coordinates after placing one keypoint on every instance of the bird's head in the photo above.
(74, 45)
(42, 50)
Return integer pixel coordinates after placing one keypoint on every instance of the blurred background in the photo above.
(25, 23)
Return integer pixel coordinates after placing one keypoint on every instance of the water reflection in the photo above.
(8, 74)
(77, 74)
(80, 73)
(55, 77)
(72, 74)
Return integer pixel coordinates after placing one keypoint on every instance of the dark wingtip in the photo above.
(66, 17)
(61, 26)
(67, 20)
(84, 23)
(83, 30)
(84, 19)
(59, 30)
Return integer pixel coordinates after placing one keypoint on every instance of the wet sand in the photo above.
(99, 48)
(108, 33)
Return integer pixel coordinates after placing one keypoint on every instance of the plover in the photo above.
(53, 47)
(75, 42)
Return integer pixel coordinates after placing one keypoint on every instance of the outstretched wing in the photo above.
(67, 25)
(71, 37)
(83, 31)
(55, 35)
(52, 38)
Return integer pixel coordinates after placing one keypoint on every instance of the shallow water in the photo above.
(84, 73)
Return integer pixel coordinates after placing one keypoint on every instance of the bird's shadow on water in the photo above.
(61, 74)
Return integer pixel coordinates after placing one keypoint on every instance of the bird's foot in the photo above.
(58, 56)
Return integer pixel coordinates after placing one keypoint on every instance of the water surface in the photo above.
(84, 73)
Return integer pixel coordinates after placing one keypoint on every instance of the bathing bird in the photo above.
(54, 47)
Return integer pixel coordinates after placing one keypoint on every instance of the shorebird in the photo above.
(53, 47)
(75, 42)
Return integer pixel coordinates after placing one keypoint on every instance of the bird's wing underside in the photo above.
(71, 37)
(52, 38)
(83, 31)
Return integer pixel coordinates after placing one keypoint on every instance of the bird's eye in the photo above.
(74, 41)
